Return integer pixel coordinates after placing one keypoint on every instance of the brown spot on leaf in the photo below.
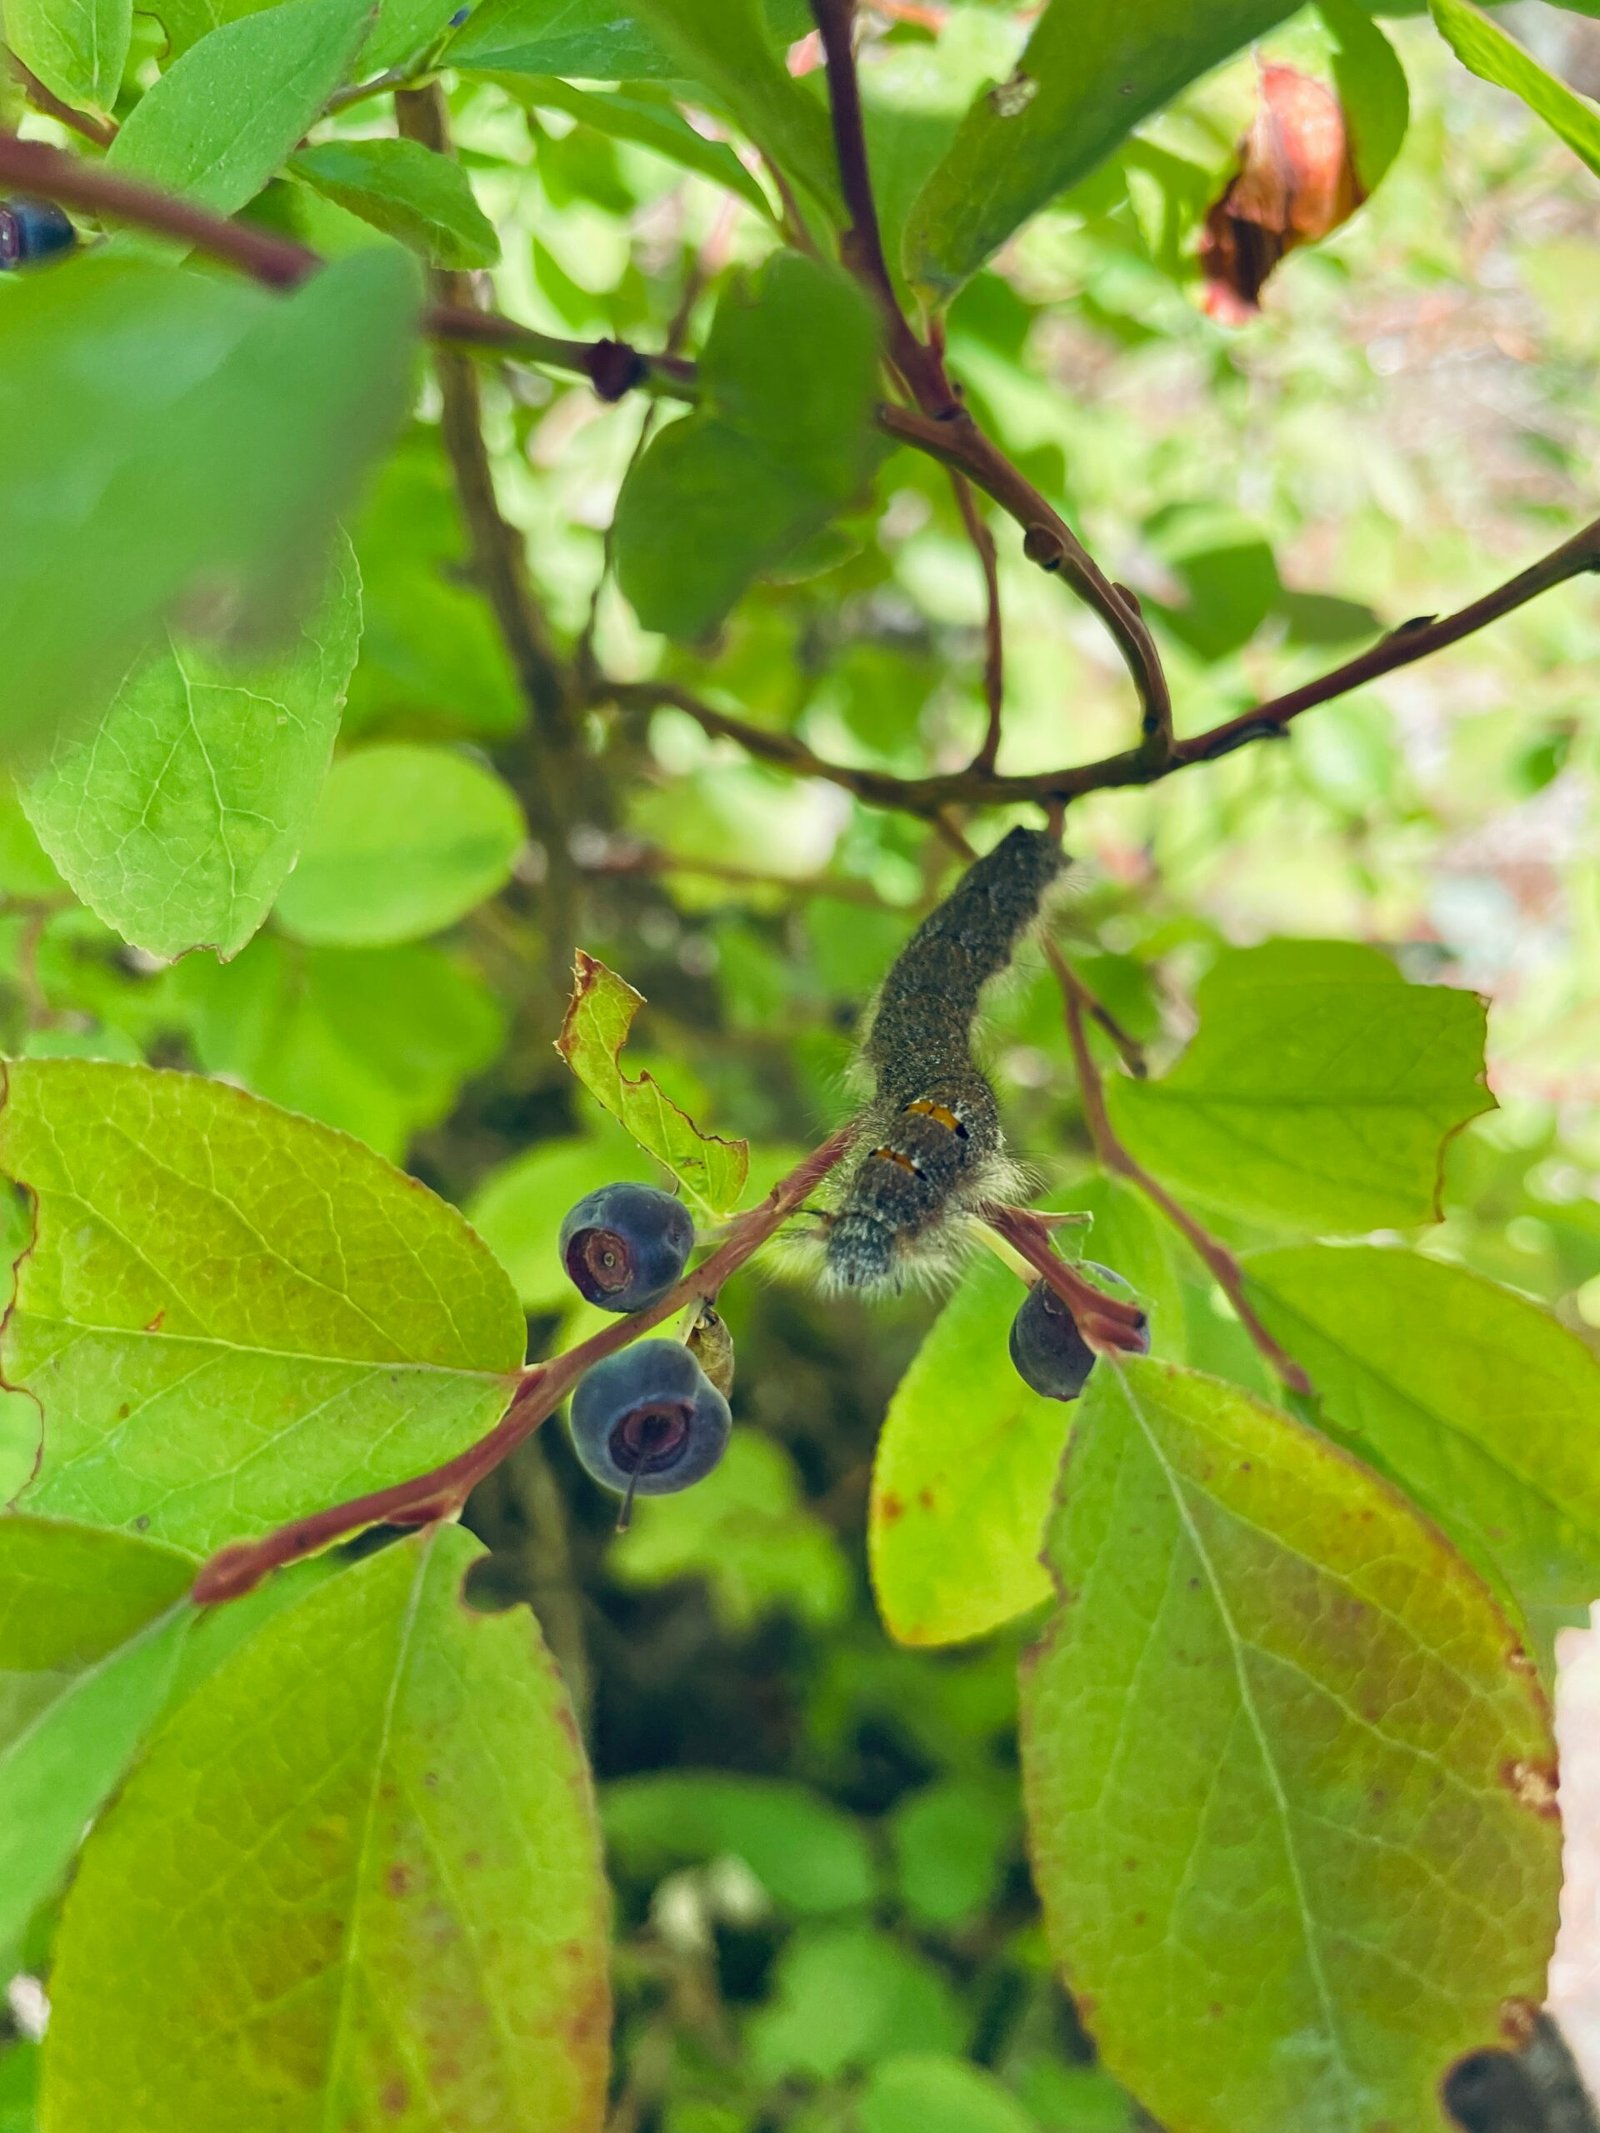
(1533, 1785)
(1296, 181)
(398, 1879)
(1518, 1661)
(124, 1411)
(155, 1324)
(1008, 99)
(1518, 2020)
(395, 2096)
(472, 1859)
(890, 1508)
(925, 1498)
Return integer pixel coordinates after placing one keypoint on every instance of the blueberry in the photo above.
(1050, 1353)
(31, 230)
(648, 1421)
(624, 1246)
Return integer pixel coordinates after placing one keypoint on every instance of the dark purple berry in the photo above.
(1050, 1353)
(31, 230)
(648, 1421)
(625, 1246)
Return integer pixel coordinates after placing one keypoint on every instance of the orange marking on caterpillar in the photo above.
(893, 1155)
(925, 1107)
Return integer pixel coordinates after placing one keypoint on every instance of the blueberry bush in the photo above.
(570, 568)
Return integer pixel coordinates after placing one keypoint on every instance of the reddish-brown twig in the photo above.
(994, 643)
(440, 1493)
(1106, 1322)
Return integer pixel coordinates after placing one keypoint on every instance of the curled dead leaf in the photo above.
(1296, 181)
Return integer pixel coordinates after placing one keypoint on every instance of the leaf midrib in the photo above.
(1247, 1700)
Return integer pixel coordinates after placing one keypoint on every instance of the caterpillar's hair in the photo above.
(930, 1142)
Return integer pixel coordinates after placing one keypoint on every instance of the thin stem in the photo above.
(93, 128)
(1049, 541)
(1106, 1322)
(861, 247)
(1113, 1156)
(994, 646)
(611, 367)
(1267, 720)
(440, 1493)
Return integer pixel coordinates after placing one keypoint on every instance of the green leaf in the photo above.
(745, 1530)
(597, 40)
(1480, 1405)
(78, 48)
(951, 1841)
(598, 1019)
(961, 1484)
(646, 117)
(406, 840)
(402, 28)
(1372, 87)
(847, 1996)
(177, 817)
(722, 45)
(354, 1881)
(809, 1856)
(928, 2092)
(967, 1458)
(375, 1041)
(221, 120)
(177, 438)
(402, 187)
(90, 1628)
(1313, 1105)
(230, 1316)
(1086, 79)
(781, 441)
(1487, 51)
(1290, 1782)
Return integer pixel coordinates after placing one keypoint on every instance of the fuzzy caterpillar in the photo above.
(930, 1141)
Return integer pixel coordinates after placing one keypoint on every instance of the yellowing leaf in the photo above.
(599, 1017)
(354, 1882)
(1290, 1779)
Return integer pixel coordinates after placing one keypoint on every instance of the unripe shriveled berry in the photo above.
(32, 230)
(648, 1421)
(1049, 1352)
(625, 1246)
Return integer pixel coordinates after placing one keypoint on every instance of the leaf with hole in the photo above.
(1290, 1781)
(598, 1019)
(229, 1315)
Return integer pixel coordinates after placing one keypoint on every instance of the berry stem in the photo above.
(1218, 1260)
(540, 1389)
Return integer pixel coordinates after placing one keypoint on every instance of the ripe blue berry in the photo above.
(1049, 1352)
(648, 1421)
(624, 1246)
(31, 230)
